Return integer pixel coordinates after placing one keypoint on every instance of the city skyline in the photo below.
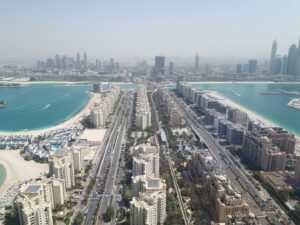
(108, 29)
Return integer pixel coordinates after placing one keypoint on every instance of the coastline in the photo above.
(251, 114)
(243, 82)
(18, 169)
(75, 119)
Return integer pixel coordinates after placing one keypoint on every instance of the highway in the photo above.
(104, 159)
(255, 200)
(116, 151)
(167, 155)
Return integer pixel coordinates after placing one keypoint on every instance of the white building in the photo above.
(33, 208)
(148, 209)
(143, 111)
(61, 166)
(77, 160)
(147, 184)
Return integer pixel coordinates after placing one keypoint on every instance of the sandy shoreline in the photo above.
(243, 82)
(18, 169)
(251, 114)
(72, 121)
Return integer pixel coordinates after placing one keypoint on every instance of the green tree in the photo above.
(109, 213)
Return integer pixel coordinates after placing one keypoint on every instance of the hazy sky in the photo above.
(213, 28)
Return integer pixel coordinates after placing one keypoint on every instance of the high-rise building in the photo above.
(77, 160)
(78, 61)
(33, 207)
(297, 63)
(50, 63)
(283, 68)
(197, 63)
(112, 65)
(225, 200)
(160, 65)
(252, 66)
(297, 169)
(291, 61)
(64, 63)
(61, 166)
(272, 58)
(146, 161)
(147, 184)
(148, 209)
(143, 111)
(207, 69)
(239, 68)
(85, 63)
(260, 150)
(57, 62)
(171, 69)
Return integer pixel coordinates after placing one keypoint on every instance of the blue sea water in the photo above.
(37, 106)
(273, 107)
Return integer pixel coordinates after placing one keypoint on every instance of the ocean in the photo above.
(38, 106)
(272, 107)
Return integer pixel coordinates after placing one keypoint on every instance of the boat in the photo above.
(2, 105)
(294, 103)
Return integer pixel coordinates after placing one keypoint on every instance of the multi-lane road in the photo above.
(255, 200)
(103, 161)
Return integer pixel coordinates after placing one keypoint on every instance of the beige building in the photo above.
(297, 169)
(33, 208)
(224, 199)
(61, 166)
(147, 184)
(146, 160)
(261, 151)
(101, 110)
(143, 111)
(77, 160)
(148, 209)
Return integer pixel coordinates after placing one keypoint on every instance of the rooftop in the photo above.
(33, 188)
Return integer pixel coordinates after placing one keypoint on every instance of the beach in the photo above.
(72, 121)
(18, 169)
(251, 114)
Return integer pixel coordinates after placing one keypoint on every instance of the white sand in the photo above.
(251, 115)
(73, 121)
(230, 103)
(18, 169)
(94, 135)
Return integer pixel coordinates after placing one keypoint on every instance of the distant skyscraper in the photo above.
(85, 61)
(277, 65)
(160, 64)
(272, 58)
(283, 68)
(171, 68)
(78, 62)
(112, 65)
(57, 62)
(291, 60)
(50, 63)
(197, 63)
(297, 63)
(252, 66)
(64, 62)
(207, 69)
(239, 68)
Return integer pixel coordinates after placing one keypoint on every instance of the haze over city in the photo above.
(238, 29)
(159, 112)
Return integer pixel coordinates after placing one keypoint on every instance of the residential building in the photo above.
(61, 166)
